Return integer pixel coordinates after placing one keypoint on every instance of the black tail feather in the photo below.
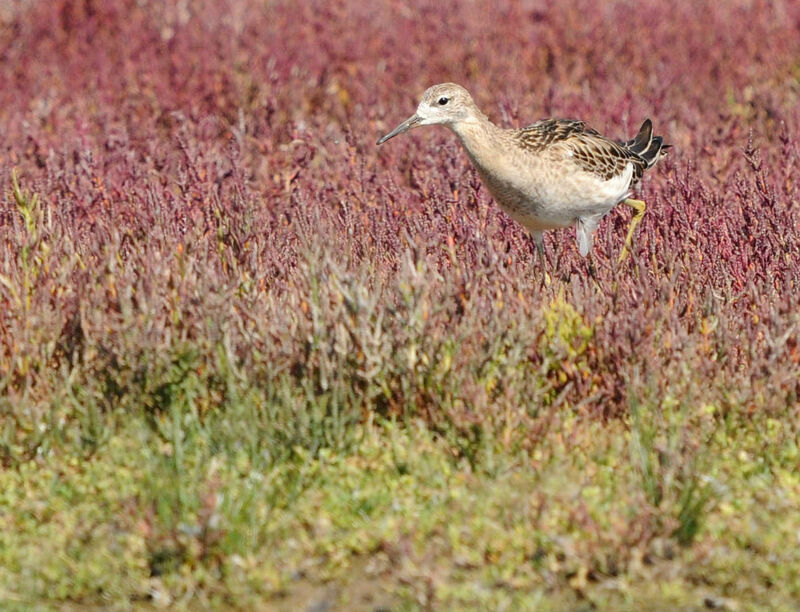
(643, 139)
(650, 148)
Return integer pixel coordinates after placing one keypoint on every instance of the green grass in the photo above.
(665, 509)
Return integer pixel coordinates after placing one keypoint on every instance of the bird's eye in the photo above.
(443, 100)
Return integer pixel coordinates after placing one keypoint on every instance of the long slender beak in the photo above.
(412, 121)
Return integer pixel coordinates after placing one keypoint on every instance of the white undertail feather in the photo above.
(585, 233)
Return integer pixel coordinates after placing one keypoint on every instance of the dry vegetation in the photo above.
(249, 359)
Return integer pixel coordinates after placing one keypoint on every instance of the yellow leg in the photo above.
(639, 207)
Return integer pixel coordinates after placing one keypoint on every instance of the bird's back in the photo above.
(573, 143)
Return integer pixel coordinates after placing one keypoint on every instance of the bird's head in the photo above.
(443, 104)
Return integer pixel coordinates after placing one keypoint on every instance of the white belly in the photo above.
(541, 200)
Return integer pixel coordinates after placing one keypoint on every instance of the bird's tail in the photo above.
(650, 148)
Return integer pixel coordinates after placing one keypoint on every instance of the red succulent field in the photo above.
(247, 357)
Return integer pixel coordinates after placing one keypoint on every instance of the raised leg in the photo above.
(639, 207)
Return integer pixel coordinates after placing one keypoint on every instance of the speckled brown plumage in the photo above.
(595, 153)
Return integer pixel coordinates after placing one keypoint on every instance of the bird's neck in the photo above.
(480, 137)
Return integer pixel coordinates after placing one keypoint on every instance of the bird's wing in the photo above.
(591, 151)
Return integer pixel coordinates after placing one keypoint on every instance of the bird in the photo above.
(554, 173)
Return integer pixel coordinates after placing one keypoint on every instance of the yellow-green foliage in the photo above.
(565, 330)
(564, 343)
(399, 514)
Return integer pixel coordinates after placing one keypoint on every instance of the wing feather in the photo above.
(592, 152)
